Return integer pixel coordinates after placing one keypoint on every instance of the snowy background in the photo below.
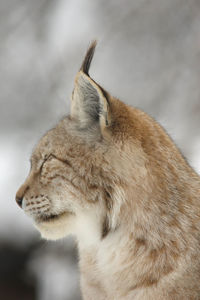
(148, 55)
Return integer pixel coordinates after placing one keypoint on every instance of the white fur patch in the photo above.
(58, 228)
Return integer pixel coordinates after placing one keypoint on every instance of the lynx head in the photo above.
(87, 171)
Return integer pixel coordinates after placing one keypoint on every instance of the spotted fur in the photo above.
(109, 174)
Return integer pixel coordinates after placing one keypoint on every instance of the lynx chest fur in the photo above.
(110, 175)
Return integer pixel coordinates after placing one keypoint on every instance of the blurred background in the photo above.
(148, 55)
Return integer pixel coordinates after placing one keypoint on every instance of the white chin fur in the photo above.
(58, 228)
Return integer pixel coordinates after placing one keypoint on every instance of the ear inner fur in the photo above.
(89, 103)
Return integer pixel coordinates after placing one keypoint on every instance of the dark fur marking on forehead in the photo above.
(88, 58)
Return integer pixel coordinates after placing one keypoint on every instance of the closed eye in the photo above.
(47, 157)
(65, 161)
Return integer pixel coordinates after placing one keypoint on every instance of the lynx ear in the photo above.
(89, 101)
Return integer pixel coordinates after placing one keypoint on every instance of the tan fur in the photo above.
(110, 175)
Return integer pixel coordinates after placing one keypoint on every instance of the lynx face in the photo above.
(65, 182)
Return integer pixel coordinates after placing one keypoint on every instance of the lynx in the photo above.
(110, 175)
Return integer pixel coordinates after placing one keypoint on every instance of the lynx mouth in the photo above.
(50, 218)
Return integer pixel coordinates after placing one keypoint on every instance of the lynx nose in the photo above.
(19, 200)
(20, 194)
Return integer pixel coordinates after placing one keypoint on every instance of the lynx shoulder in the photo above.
(110, 175)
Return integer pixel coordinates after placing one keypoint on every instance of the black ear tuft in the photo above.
(88, 58)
